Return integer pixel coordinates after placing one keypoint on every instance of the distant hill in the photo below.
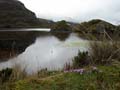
(96, 26)
(61, 26)
(98, 29)
(45, 23)
(13, 14)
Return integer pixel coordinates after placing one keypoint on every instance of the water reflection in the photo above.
(50, 52)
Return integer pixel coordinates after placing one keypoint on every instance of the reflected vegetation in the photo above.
(61, 35)
(49, 52)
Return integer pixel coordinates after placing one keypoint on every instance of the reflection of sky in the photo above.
(49, 52)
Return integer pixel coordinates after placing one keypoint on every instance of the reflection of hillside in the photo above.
(13, 43)
(61, 35)
(61, 30)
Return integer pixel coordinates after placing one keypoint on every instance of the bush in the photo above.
(5, 74)
(61, 26)
(100, 53)
(17, 73)
(81, 60)
(105, 52)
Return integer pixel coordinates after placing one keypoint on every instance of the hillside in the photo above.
(98, 29)
(13, 14)
(96, 26)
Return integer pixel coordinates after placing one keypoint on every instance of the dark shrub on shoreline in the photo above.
(100, 53)
(81, 60)
(5, 74)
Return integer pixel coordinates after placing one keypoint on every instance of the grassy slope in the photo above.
(108, 79)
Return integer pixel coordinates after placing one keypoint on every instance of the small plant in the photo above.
(18, 73)
(81, 60)
(5, 74)
(67, 66)
(43, 73)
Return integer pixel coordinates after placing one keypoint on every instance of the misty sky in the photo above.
(76, 10)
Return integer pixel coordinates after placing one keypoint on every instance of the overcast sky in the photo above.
(76, 10)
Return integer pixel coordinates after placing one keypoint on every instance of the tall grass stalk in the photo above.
(105, 52)
(18, 73)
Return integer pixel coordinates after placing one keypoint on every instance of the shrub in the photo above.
(100, 53)
(62, 26)
(17, 73)
(81, 60)
(5, 74)
(105, 52)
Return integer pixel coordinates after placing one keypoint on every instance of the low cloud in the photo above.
(76, 10)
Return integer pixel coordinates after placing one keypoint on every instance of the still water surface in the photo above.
(48, 52)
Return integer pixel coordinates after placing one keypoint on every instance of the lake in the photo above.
(48, 52)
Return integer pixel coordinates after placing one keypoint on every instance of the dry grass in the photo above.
(17, 73)
(10, 75)
(105, 52)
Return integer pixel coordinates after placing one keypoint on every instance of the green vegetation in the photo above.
(62, 26)
(96, 26)
(101, 71)
(100, 66)
(100, 53)
(105, 52)
(108, 79)
(81, 60)
(97, 29)
(61, 30)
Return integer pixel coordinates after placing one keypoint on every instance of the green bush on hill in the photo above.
(61, 26)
